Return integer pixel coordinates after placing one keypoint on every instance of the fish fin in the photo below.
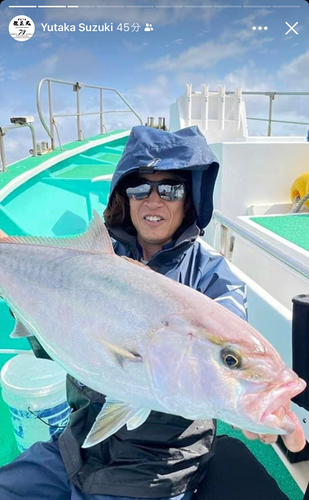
(138, 419)
(136, 263)
(114, 415)
(95, 240)
(120, 353)
(20, 331)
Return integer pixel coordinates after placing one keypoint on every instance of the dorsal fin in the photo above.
(95, 240)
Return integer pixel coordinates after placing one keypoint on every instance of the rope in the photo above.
(298, 203)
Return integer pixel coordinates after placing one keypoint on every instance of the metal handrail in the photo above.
(3, 131)
(275, 252)
(77, 86)
(278, 121)
(271, 96)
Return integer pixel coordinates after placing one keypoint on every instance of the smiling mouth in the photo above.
(153, 219)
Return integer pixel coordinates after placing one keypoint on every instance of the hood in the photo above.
(149, 150)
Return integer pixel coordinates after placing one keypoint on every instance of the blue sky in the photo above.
(211, 43)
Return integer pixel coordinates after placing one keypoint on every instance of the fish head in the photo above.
(215, 365)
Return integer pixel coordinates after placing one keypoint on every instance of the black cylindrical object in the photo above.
(300, 345)
(300, 357)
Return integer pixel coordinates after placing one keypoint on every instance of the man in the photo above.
(161, 200)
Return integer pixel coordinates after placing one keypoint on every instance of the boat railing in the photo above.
(77, 87)
(225, 244)
(271, 96)
(5, 129)
(221, 114)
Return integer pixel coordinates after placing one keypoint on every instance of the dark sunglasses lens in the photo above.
(171, 192)
(139, 192)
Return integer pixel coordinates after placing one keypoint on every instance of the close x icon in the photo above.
(292, 27)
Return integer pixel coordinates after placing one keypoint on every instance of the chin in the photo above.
(155, 241)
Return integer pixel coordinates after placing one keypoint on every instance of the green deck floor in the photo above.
(29, 163)
(294, 228)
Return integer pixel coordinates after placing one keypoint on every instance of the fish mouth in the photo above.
(275, 416)
(277, 413)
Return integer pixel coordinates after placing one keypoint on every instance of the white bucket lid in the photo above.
(25, 375)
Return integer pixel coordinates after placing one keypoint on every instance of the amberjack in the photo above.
(142, 339)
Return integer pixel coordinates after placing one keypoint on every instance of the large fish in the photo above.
(142, 339)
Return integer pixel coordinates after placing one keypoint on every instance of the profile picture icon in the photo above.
(21, 28)
(148, 27)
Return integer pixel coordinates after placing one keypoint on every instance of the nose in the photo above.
(153, 198)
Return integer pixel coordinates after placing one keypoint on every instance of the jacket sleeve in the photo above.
(220, 284)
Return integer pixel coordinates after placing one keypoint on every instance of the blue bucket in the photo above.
(35, 392)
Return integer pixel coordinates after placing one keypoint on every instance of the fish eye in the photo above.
(231, 358)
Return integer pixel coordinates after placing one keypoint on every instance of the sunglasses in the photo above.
(167, 190)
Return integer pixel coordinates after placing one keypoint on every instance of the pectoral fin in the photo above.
(114, 415)
(121, 354)
(139, 418)
(20, 331)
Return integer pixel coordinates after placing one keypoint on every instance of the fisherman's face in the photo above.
(168, 214)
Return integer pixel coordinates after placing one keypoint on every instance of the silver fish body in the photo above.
(145, 341)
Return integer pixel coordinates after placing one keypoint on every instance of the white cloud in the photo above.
(295, 73)
(65, 63)
(201, 56)
(5, 18)
(134, 47)
(153, 100)
(45, 45)
(178, 41)
(249, 19)
(6, 74)
(231, 43)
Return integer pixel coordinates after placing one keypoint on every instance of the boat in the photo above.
(256, 225)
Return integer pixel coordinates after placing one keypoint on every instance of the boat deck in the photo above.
(27, 164)
(294, 228)
(60, 198)
(68, 197)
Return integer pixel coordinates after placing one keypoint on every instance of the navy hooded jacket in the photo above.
(167, 455)
(149, 150)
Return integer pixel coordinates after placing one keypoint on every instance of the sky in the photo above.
(198, 42)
